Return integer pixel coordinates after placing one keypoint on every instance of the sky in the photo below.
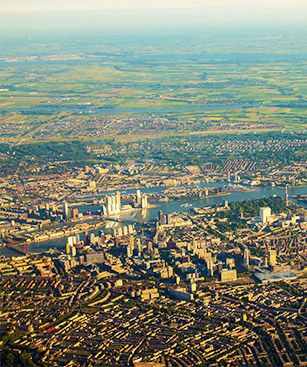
(22, 14)
(260, 6)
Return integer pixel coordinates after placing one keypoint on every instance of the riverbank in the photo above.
(139, 216)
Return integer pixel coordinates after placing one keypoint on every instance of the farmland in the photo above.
(98, 87)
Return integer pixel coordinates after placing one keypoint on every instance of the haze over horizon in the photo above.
(274, 6)
(150, 11)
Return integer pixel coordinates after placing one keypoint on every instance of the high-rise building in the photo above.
(66, 210)
(75, 213)
(125, 230)
(73, 251)
(92, 185)
(68, 248)
(228, 275)
(246, 257)
(149, 246)
(230, 262)
(139, 246)
(210, 268)
(162, 217)
(265, 213)
(113, 204)
(193, 286)
(272, 258)
(86, 238)
(71, 240)
(138, 197)
(131, 229)
(131, 242)
(129, 250)
(117, 201)
(144, 201)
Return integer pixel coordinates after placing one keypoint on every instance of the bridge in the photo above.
(23, 249)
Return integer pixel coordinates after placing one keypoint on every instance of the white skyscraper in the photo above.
(144, 201)
(265, 213)
(246, 257)
(66, 210)
(138, 197)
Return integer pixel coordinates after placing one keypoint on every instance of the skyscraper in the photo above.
(65, 210)
(138, 197)
(265, 213)
(117, 202)
(287, 196)
(246, 257)
(144, 201)
(113, 204)
(272, 258)
(162, 217)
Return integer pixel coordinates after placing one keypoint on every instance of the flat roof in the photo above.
(274, 277)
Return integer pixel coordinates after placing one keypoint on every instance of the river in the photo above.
(137, 216)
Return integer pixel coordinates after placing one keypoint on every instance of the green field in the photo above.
(97, 88)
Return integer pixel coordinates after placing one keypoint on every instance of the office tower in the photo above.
(113, 204)
(246, 257)
(131, 242)
(118, 232)
(102, 236)
(144, 201)
(71, 240)
(130, 229)
(67, 248)
(162, 217)
(193, 286)
(265, 213)
(139, 246)
(287, 196)
(125, 230)
(228, 275)
(117, 202)
(230, 262)
(92, 238)
(92, 185)
(75, 213)
(73, 251)
(272, 258)
(104, 210)
(149, 246)
(65, 210)
(138, 197)
(86, 238)
(129, 251)
(210, 269)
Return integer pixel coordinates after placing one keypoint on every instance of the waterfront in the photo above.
(138, 216)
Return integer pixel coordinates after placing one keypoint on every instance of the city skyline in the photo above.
(153, 188)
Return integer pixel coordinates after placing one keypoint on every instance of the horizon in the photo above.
(223, 5)
(17, 14)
